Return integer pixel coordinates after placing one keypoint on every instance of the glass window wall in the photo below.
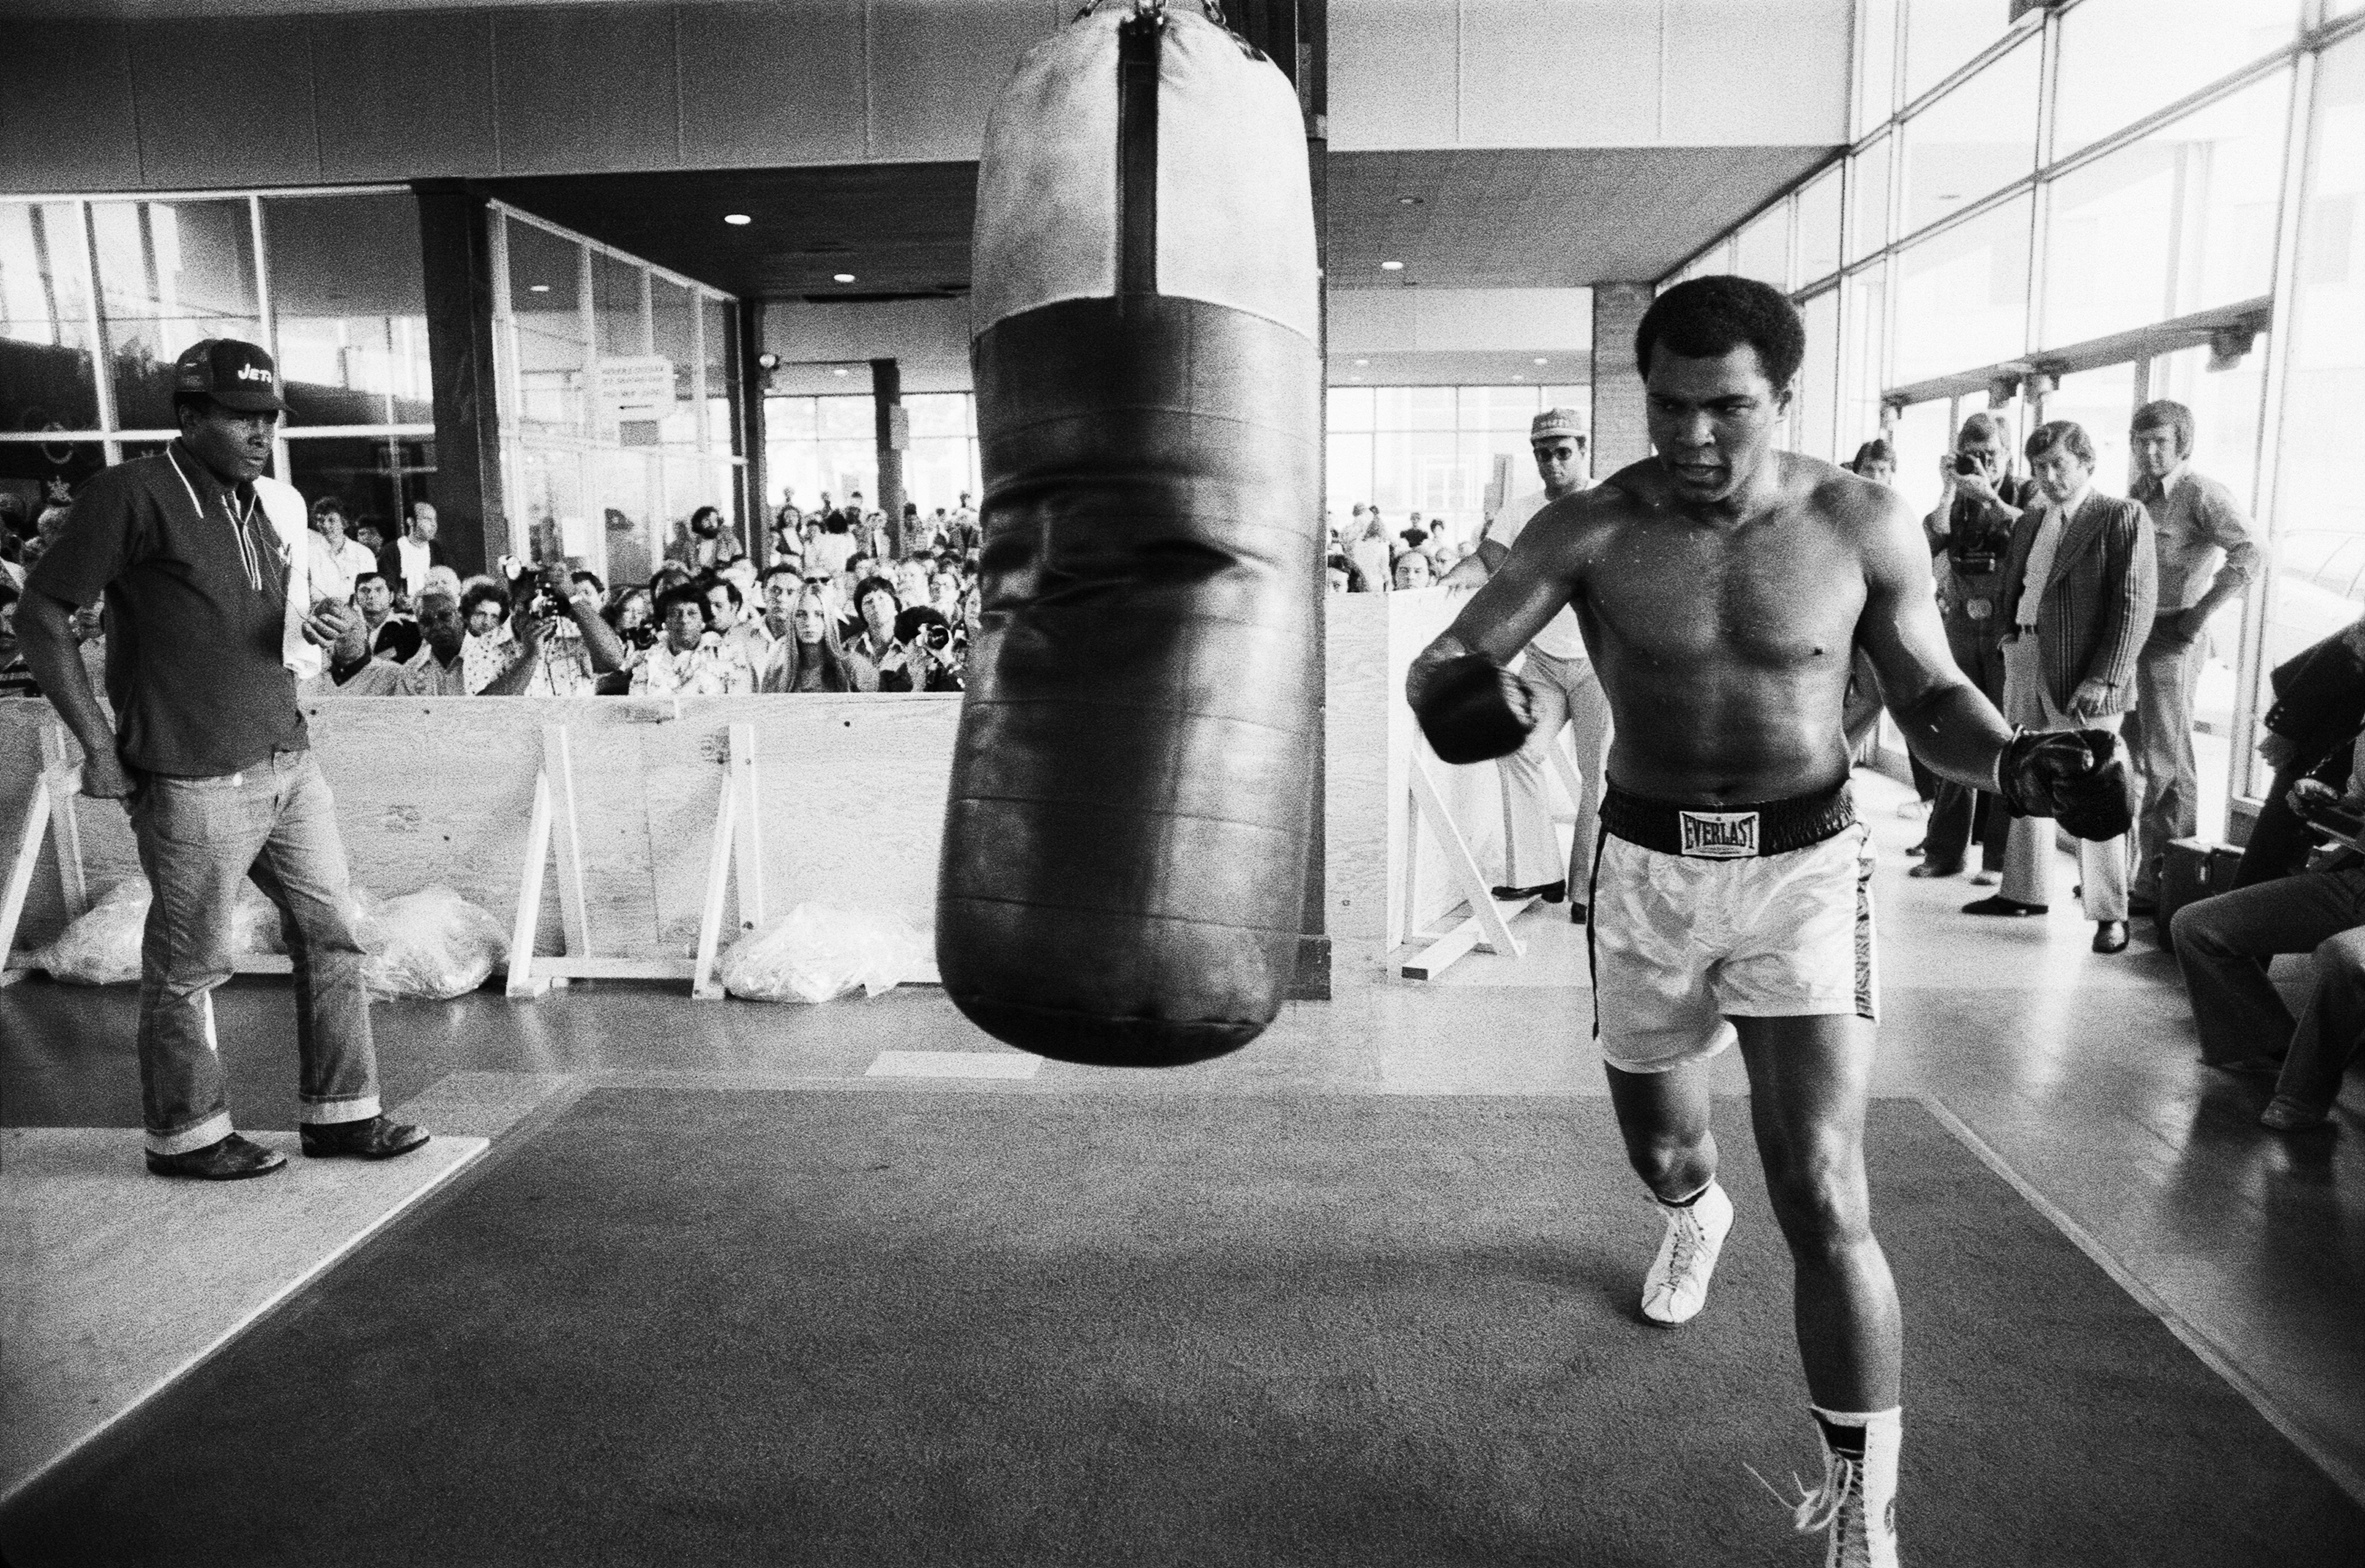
(1876, 63)
(1763, 248)
(1944, 36)
(1818, 226)
(2122, 59)
(1449, 453)
(1974, 141)
(335, 291)
(1868, 199)
(2180, 221)
(1962, 295)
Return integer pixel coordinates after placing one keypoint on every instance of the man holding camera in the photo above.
(1723, 586)
(211, 755)
(1970, 533)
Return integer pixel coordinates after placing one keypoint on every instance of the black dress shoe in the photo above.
(1997, 903)
(2110, 937)
(2249, 1067)
(233, 1158)
(376, 1138)
(2143, 908)
(1551, 892)
(1577, 913)
(1936, 869)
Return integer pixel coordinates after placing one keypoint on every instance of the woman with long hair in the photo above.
(811, 657)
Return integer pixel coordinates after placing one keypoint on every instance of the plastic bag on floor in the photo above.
(254, 922)
(814, 953)
(432, 943)
(102, 948)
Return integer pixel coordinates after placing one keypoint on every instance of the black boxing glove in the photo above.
(1472, 710)
(2072, 776)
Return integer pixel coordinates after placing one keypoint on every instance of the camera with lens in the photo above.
(526, 588)
(1965, 464)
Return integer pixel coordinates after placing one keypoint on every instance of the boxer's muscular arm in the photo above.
(1947, 721)
(1530, 585)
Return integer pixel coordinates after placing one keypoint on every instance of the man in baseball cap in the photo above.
(238, 375)
(203, 561)
(1567, 695)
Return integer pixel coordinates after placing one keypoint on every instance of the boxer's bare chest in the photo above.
(1780, 593)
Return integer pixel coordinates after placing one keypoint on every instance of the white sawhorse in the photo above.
(1487, 927)
(49, 815)
(737, 849)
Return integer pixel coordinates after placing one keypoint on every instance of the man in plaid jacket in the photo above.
(2080, 586)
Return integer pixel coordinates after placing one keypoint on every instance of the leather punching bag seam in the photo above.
(1136, 149)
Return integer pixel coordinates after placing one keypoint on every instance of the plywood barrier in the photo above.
(851, 798)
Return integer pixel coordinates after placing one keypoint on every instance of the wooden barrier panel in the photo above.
(852, 791)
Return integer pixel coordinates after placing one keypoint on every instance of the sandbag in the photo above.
(432, 944)
(1125, 840)
(816, 954)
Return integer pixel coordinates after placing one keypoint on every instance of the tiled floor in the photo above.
(2076, 1073)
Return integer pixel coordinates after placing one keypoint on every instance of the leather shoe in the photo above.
(1933, 868)
(376, 1138)
(1551, 892)
(2110, 937)
(233, 1158)
(2250, 1067)
(2285, 1114)
(2143, 908)
(1996, 903)
(1577, 913)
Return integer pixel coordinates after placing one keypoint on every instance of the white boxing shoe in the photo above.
(1854, 1512)
(1677, 1287)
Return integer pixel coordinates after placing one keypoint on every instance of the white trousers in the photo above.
(1568, 694)
(2028, 853)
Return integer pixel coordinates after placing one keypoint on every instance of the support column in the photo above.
(455, 256)
(894, 433)
(747, 429)
(1619, 435)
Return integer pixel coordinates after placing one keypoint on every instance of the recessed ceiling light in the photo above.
(538, 288)
(1516, 376)
(1540, 361)
(843, 277)
(738, 219)
(1407, 201)
(1392, 266)
(839, 371)
(1362, 362)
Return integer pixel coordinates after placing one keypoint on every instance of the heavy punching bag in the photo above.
(1124, 846)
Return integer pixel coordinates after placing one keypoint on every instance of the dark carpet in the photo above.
(854, 1328)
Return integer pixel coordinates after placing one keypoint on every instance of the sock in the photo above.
(1870, 1439)
(1687, 1203)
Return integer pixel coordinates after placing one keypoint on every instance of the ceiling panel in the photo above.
(1541, 218)
(1487, 219)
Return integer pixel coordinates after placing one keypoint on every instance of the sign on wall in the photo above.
(635, 387)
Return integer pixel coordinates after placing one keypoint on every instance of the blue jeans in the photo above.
(2222, 945)
(275, 822)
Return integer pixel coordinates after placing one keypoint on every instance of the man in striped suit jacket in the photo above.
(2079, 588)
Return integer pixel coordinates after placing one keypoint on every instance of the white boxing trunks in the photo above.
(1702, 917)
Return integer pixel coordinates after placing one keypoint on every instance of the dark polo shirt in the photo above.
(196, 587)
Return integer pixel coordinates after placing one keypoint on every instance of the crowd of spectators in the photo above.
(1367, 556)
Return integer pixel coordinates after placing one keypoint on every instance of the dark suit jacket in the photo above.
(2098, 598)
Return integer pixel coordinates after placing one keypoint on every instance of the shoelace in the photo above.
(1690, 1238)
(1818, 1510)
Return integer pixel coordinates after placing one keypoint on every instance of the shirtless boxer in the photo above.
(1721, 586)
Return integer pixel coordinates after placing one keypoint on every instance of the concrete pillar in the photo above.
(1619, 435)
(893, 430)
(455, 256)
(747, 431)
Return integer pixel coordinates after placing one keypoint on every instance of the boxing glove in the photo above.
(2072, 776)
(1125, 843)
(1472, 710)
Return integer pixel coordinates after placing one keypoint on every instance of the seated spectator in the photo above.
(634, 617)
(577, 646)
(923, 657)
(2312, 728)
(876, 606)
(666, 578)
(810, 659)
(16, 677)
(388, 635)
(489, 648)
(780, 586)
(2224, 945)
(370, 534)
(726, 616)
(1876, 460)
(691, 659)
(339, 562)
(705, 544)
(1414, 569)
(1344, 576)
(436, 670)
(910, 580)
